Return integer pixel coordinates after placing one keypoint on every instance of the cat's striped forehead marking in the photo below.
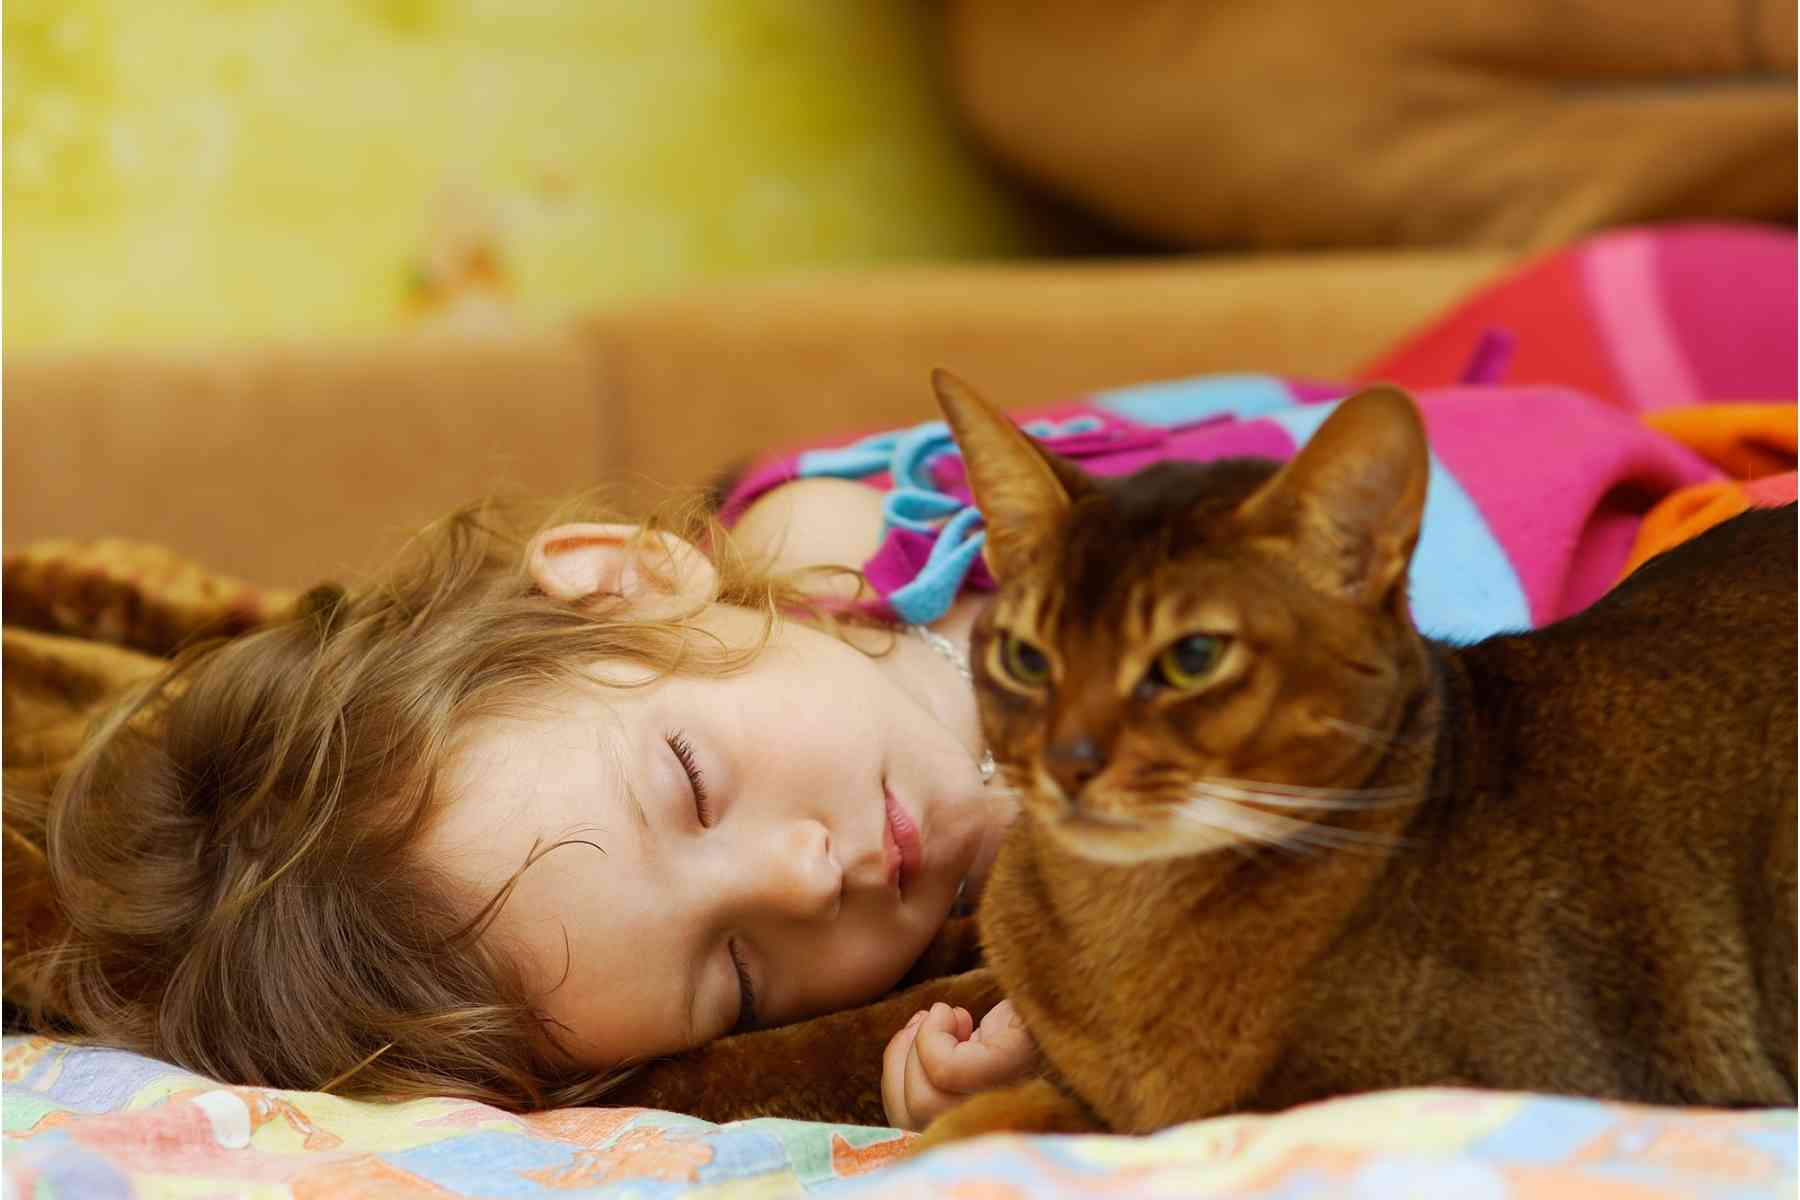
(1028, 612)
(1101, 586)
(1158, 617)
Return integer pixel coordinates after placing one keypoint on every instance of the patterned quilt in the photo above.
(87, 1124)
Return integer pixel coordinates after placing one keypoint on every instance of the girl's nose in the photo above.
(797, 877)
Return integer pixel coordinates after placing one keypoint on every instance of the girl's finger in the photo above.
(924, 1098)
(1013, 1052)
(1000, 1052)
(893, 1075)
(952, 1064)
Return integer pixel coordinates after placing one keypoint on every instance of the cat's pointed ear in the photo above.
(1021, 490)
(1350, 502)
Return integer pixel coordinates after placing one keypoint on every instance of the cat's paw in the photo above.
(1037, 1106)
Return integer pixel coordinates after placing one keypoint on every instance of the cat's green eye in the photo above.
(1187, 663)
(1024, 662)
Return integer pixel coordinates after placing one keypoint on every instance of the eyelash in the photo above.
(747, 1004)
(684, 754)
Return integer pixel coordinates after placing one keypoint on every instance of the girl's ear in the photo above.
(575, 562)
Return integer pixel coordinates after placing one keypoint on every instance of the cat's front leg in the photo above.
(1036, 1106)
(824, 1069)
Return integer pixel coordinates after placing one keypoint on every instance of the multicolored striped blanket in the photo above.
(1599, 406)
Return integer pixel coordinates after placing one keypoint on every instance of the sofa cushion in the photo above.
(1292, 123)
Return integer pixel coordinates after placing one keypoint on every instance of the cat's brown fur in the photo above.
(1559, 861)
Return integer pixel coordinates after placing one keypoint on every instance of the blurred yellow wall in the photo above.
(220, 169)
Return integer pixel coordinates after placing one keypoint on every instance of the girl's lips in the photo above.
(905, 850)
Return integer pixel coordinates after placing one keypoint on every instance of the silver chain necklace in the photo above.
(947, 650)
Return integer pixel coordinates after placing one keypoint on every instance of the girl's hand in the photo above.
(940, 1058)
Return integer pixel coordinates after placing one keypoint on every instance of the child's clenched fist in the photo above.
(940, 1058)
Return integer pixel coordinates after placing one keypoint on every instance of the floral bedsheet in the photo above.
(89, 1124)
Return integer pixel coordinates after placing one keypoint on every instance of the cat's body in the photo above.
(1611, 851)
(1555, 861)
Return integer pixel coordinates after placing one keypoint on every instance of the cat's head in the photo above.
(1198, 655)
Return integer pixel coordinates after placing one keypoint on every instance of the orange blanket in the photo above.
(1754, 443)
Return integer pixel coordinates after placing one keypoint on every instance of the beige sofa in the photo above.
(287, 464)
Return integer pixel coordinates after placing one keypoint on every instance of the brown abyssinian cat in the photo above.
(1276, 846)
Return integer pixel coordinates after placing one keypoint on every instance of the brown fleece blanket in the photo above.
(84, 621)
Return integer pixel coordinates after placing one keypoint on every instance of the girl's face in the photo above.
(757, 848)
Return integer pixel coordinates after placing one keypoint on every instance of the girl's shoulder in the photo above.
(813, 522)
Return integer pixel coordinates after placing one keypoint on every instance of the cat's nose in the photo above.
(1073, 762)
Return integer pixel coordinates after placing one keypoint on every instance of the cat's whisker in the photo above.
(1306, 798)
(1331, 837)
(1083, 815)
(1288, 834)
(1261, 829)
(1300, 789)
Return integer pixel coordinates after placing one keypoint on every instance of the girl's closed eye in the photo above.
(690, 765)
(684, 754)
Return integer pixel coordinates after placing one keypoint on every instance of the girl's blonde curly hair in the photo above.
(234, 854)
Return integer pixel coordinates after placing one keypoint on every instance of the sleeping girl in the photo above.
(528, 810)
